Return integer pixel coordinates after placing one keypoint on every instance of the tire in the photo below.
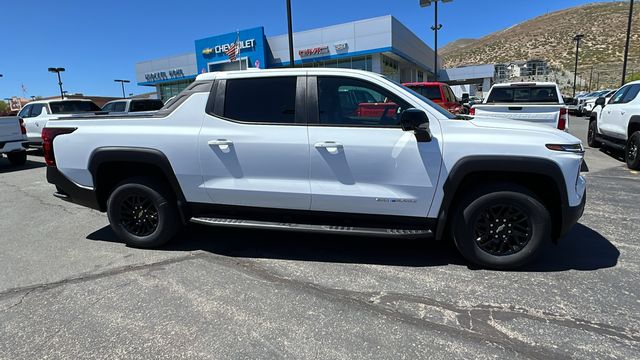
(479, 214)
(591, 135)
(632, 151)
(142, 213)
(17, 158)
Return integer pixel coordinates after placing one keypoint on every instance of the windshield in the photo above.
(73, 107)
(433, 105)
(430, 92)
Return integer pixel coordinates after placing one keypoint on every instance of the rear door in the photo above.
(610, 116)
(366, 164)
(254, 147)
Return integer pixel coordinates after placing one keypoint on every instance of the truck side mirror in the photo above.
(417, 121)
(601, 101)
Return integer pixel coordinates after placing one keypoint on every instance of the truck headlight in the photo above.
(572, 148)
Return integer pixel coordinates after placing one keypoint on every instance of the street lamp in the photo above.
(122, 82)
(577, 39)
(626, 47)
(58, 70)
(436, 27)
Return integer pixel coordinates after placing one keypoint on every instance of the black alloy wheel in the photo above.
(502, 230)
(138, 215)
(632, 151)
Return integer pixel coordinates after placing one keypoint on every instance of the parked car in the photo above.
(616, 123)
(590, 104)
(539, 103)
(13, 140)
(440, 93)
(582, 103)
(37, 114)
(276, 149)
(132, 105)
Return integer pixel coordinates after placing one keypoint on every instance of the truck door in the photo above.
(254, 147)
(362, 163)
(609, 122)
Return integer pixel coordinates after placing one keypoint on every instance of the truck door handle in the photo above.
(222, 143)
(515, 108)
(331, 146)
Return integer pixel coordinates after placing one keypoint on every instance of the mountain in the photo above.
(550, 37)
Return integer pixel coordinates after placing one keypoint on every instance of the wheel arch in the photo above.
(111, 165)
(544, 177)
(634, 125)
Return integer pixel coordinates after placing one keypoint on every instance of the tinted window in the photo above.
(619, 95)
(36, 110)
(629, 96)
(430, 92)
(72, 107)
(268, 100)
(145, 105)
(344, 101)
(518, 94)
(119, 106)
(25, 112)
(108, 107)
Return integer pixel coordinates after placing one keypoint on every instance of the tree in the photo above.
(634, 77)
(4, 108)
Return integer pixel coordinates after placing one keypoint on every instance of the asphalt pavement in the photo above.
(69, 289)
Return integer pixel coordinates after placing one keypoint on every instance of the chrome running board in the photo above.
(346, 230)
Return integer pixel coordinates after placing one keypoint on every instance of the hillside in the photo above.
(550, 37)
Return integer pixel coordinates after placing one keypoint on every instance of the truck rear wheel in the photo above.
(501, 226)
(17, 158)
(142, 214)
(632, 151)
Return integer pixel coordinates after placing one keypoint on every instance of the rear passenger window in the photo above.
(629, 96)
(263, 100)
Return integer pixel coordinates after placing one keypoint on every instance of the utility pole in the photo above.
(290, 29)
(626, 46)
(598, 80)
(577, 39)
(590, 78)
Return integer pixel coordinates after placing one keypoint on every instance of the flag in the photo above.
(234, 49)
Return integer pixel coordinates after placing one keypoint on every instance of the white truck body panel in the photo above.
(11, 137)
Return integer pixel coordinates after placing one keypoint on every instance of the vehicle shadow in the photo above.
(6, 167)
(582, 249)
(614, 153)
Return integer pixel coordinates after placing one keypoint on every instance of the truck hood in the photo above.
(509, 124)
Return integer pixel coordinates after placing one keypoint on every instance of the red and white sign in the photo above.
(320, 50)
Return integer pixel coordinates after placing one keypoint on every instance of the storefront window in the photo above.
(168, 90)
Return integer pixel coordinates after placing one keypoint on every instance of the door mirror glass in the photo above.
(600, 101)
(417, 121)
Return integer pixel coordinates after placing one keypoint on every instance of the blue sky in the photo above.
(98, 41)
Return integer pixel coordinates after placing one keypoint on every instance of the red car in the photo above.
(438, 92)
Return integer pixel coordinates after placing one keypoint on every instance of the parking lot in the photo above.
(70, 289)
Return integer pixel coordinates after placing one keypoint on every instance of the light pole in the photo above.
(577, 39)
(436, 27)
(290, 31)
(58, 70)
(626, 46)
(122, 82)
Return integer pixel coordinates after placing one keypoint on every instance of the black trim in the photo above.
(311, 217)
(571, 215)
(635, 120)
(148, 156)
(313, 114)
(69, 191)
(505, 164)
(211, 102)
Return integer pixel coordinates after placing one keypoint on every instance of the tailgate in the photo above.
(10, 129)
(541, 114)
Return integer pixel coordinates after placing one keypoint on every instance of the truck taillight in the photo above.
(472, 111)
(23, 129)
(562, 120)
(48, 134)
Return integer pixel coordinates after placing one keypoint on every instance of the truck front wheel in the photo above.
(142, 214)
(500, 226)
(591, 135)
(632, 151)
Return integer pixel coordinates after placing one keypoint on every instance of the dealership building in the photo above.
(382, 45)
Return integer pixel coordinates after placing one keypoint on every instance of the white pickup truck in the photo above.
(288, 149)
(539, 102)
(13, 140)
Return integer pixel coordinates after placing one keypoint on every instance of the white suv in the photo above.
(616, 124)
(323, 150)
